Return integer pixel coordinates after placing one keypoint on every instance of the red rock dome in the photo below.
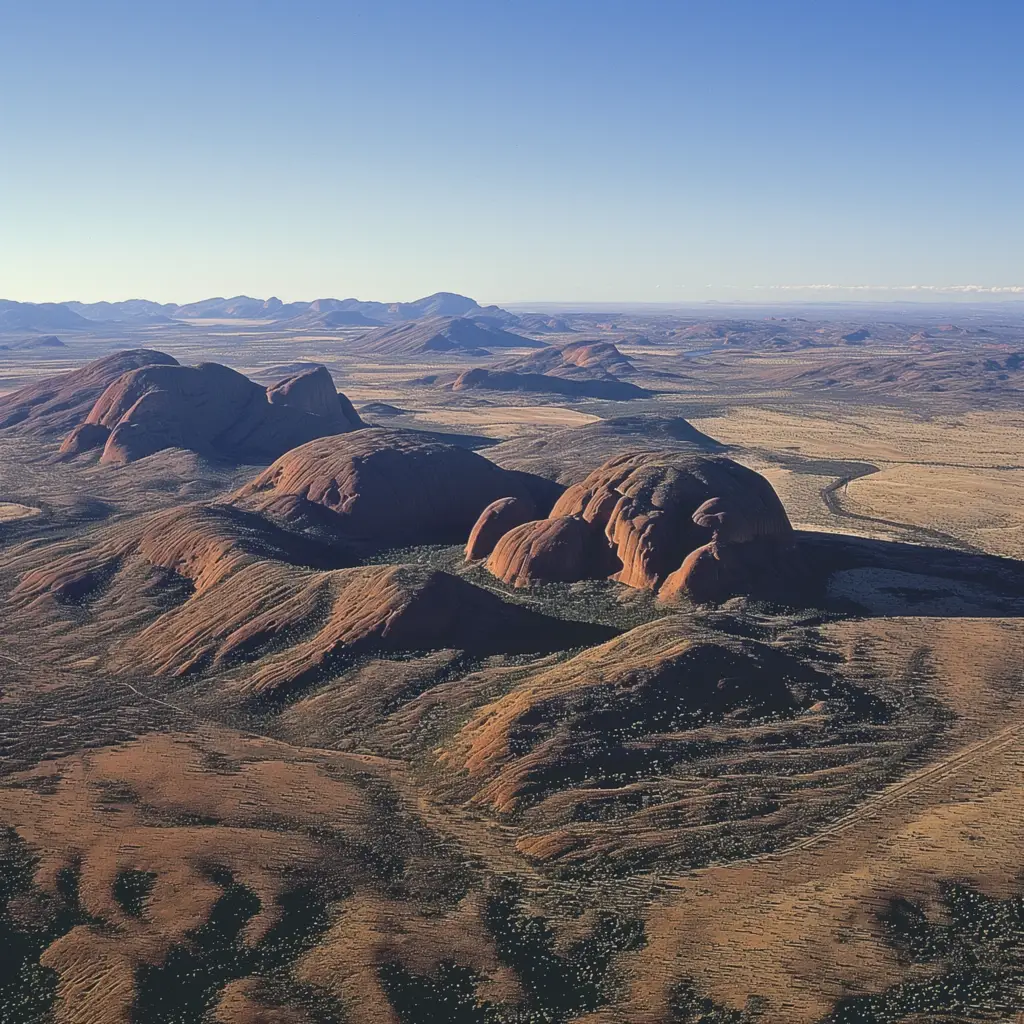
(210, 409)
(559, 549)
(495, 521)
(387, 486)
(698, 525)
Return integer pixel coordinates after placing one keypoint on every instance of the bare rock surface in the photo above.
(643, 518)
(210, 409)
(388, 486)
(54, 405)
(495, 521)
(560, 549)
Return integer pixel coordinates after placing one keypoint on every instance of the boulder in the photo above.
(495, 521)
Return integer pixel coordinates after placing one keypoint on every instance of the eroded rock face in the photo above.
(210, 409)
(495, 521)
(559, 549)
(312, 391)
(707, 524)
(386, 486)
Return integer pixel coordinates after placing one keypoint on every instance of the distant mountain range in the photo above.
(39, 316)
(322, 313)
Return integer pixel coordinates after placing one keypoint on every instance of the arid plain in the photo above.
(275, 749)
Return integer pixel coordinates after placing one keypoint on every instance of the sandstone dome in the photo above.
(641, 516)
(210, 409)
(386, 486)
(495, 521)
(55, 404)
(558, 549)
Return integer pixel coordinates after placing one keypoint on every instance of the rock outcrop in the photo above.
(560, 549)
(389, 487)
(582, 360)
(495, 521)
(209, 409)
(697, 525)
(54, 405)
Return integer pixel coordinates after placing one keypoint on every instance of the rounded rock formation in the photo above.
(676, 523)
(645, 504)
(739, 522)
(385, 486)
(209, 409)
(560, 549)
(495, 521)
(55, 405)
(702, 577)
(312, 391)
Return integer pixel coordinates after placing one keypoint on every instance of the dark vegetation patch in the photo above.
(132, 889)
(186, 986)
(558, 984)
(975, 949)
(30, 921)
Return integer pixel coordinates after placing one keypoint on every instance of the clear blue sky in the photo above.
(511, 150)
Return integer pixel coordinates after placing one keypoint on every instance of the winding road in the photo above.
(830, 496)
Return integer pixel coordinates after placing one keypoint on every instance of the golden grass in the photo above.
(11, 510)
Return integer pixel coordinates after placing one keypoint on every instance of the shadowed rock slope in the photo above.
(386, 486)
(209, 409)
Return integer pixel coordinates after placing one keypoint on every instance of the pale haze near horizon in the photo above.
(647, 152)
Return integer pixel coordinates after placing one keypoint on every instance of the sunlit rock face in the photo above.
(695, 525)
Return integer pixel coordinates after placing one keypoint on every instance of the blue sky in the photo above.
(515, 151)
